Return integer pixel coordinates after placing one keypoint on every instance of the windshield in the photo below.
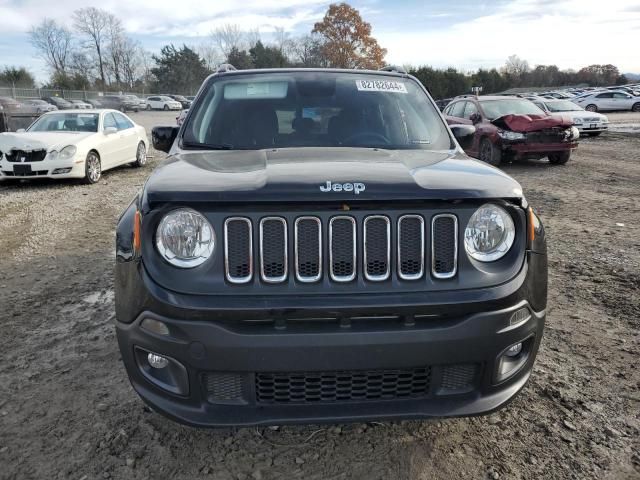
(66, 122)
(499, 108)
(562, 106)
(314, 109)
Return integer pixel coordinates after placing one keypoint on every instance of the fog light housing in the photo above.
(60, 171)
(513, 359)
(157, 361)
(162, 371)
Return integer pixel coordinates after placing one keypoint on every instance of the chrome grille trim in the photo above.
(229, 277)
(419, 275)
(308, 279)
(343, 278)
(263, 274)
(377, 278)
(453, 272)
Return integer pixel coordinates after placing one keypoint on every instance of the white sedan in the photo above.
(73, 144)
(588, 123)
(608, 100)
(161, 102)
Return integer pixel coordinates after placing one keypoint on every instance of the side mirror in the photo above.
(110, 130)
(163, 137)
(464, 135)
(20, 130)
(475, 118)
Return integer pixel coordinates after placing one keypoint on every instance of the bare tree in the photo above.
(227, 37)
(53, 43)
(132, 60)
(253, 37)
(283, 41)
(516, 66)
(93, 23)
(307, 51)
(117, 43)
(210, 54)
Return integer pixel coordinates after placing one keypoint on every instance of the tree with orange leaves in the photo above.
(347, 40)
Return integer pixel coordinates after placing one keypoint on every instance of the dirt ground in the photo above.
(68, 411)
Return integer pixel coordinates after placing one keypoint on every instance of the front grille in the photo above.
(18, 156)
(238, 244)
(273, 249)
(308, 246)
(444, 241)
(342, 386)
(377, 247)
(341, 247)
(32, 173)
(410, 247)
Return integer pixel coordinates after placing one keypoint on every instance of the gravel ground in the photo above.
(68, 411)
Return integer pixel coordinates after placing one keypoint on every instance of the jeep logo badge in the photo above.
(343, 187)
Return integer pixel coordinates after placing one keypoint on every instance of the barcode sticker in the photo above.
(380, 86)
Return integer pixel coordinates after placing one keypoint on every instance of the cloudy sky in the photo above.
(466, 34)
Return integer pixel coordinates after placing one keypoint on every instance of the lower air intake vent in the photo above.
(458, 378)
(345, 386)
(223, 387)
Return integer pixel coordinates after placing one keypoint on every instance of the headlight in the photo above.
(53, 154)
(185, 238)
(67, 152)
(508, 135)
(489, 233)
(577, 121)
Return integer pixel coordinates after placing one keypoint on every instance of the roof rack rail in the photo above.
(225, 67)
(393, 68)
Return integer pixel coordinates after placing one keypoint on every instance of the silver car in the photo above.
(608, 100)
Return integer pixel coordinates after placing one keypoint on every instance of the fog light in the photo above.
(59, 171)
(514, 350)
(157, 361)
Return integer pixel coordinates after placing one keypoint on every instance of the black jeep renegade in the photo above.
(317, 247)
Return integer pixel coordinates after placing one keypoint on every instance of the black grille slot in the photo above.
(342, 386)
(19, 155)
(458, 378)
(444, 245)
(273, 249)
(238, 250)
(308, 244)
(223, 387)
(411, 247)
(342, 250)
(377, 247)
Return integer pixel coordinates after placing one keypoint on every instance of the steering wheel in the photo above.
(365, 135)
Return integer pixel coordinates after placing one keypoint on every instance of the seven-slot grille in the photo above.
(17, 156)
(341, 240)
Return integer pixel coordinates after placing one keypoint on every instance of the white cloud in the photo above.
(568, 33)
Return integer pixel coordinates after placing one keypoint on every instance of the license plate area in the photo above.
(22, 169)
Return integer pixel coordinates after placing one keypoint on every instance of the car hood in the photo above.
(29, 141)
(532, 123)
(301, 175)
(584, 114)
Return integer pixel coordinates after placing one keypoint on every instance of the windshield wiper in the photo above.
(208, 146)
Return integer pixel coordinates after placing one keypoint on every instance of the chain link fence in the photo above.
(21, 93)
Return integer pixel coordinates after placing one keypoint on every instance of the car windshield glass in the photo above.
(562, 106)
(499, 108)
(66, 122)
(314, 109)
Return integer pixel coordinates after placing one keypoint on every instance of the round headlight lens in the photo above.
(67, 152)
(185, 238)
(489, 233)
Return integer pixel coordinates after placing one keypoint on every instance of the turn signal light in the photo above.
(137, 240)
(531, 225)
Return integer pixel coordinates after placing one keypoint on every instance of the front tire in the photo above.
(591, 108)
(636, 107)
(559, 158)
(489, 153)
(149, 107)
(92, 168)
(166, 107)
(141, 156)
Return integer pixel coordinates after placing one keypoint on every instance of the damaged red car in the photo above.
(512, 128)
